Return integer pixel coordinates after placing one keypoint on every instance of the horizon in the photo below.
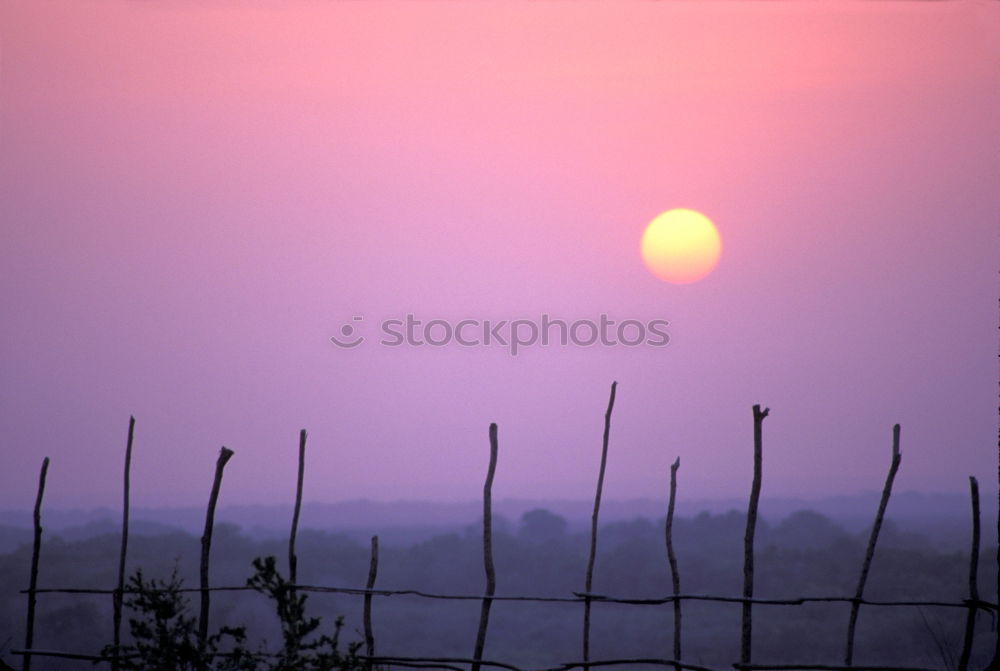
(401, 512)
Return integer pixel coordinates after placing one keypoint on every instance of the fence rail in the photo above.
(581, 598)
(972, 605)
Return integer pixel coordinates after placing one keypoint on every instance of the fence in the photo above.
(972, 605)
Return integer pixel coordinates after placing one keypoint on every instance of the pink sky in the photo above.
(195, 196)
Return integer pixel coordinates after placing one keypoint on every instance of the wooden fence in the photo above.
(972, 605)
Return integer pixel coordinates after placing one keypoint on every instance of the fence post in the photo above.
(746, 638)
(870, 551)
(369, 634)
(491, 581)
(36, 549)
(970, 620)
(675, 577)
(206, 545)
(120, 589)
(996, 650)
(293, 562)
(589, 582)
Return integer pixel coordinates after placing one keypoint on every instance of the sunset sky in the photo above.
(194, 197)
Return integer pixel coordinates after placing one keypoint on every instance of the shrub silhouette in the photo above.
(299, 653)
(164, 633)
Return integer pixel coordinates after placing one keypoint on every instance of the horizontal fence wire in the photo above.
(579, 597)
(452, 663)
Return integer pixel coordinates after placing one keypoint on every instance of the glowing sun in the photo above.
(681, 246)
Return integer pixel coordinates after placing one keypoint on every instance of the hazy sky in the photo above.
(195, 196)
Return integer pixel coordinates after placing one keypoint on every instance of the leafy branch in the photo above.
(165, 635)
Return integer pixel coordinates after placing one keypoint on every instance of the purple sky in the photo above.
(195, 196)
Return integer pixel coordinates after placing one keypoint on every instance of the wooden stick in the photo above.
(119, 591)
(578, 597)
(970, 620)
(206, 545)
(746, 638)
(593, 524)
(452, 662)
(491, 580)
(825, 667)
(675, 577)
(293, 562)
(870, 551)
(29, 635)
(996, 651)
(372, 573)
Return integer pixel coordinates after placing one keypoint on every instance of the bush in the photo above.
(164, 634)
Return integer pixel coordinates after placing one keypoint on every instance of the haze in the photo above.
(195, 198)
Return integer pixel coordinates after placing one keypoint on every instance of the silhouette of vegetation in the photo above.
(302, 649)
(804, 554)
(165, 635)
(539, 525)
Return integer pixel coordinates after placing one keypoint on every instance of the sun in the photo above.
(681, 246)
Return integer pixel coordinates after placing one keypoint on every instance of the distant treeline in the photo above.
(540, 554)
